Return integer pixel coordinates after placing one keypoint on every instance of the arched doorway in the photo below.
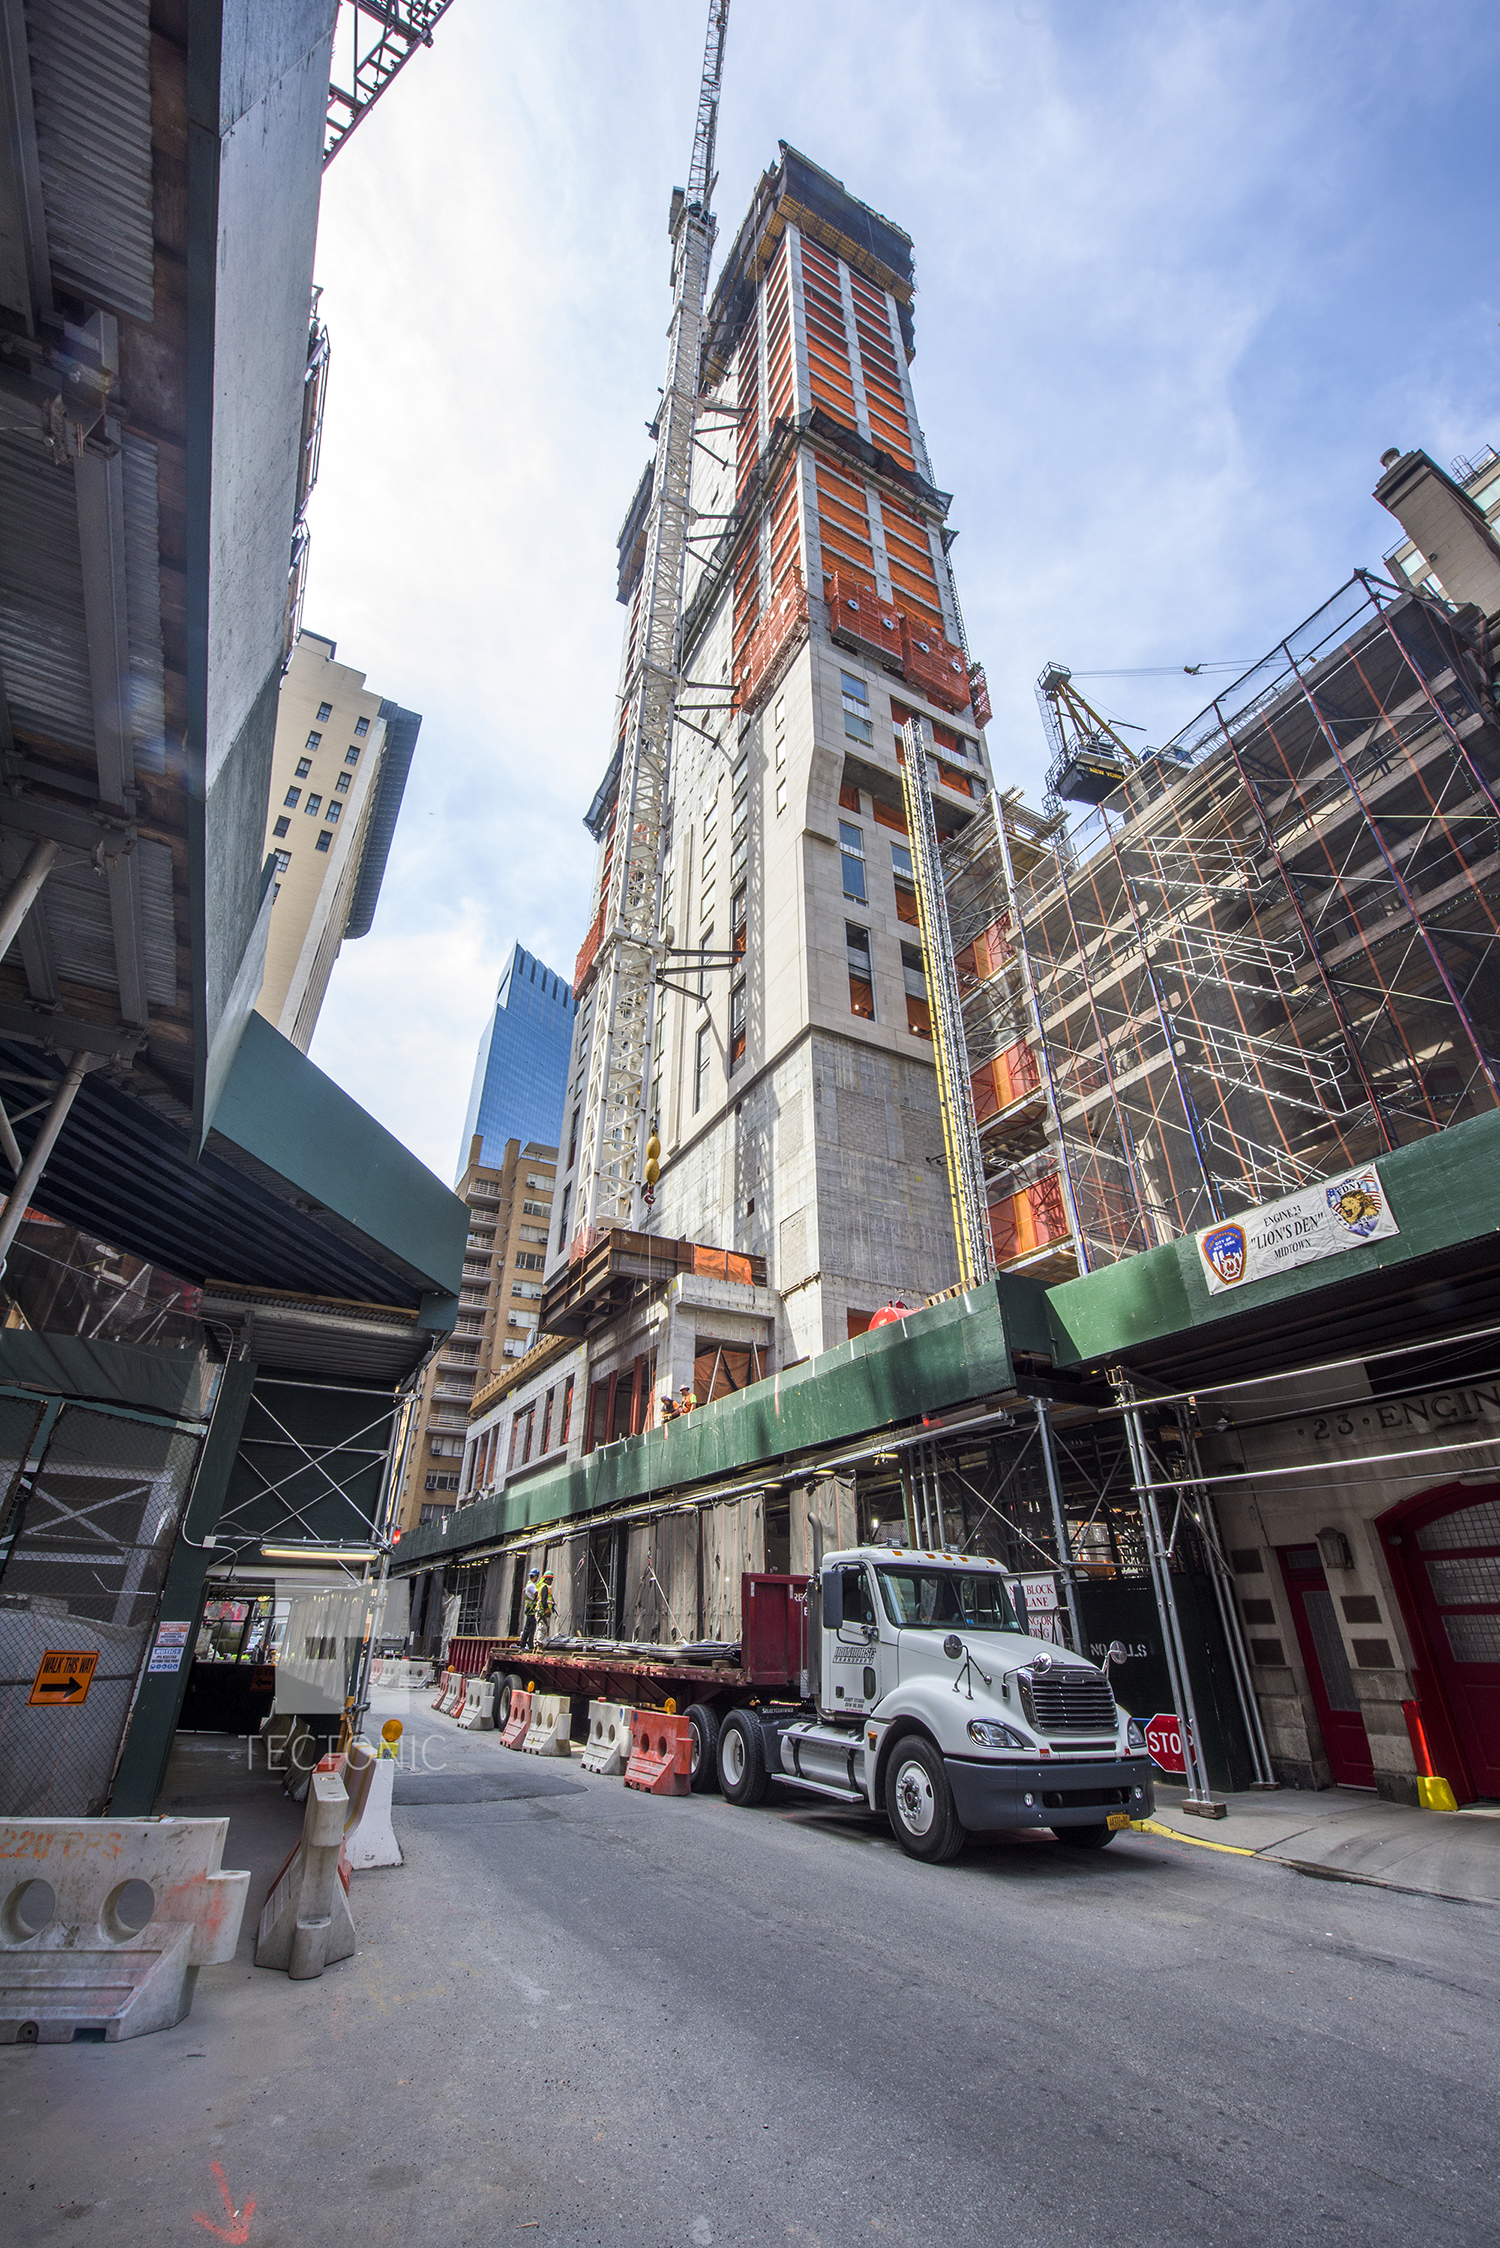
(1443, 1549)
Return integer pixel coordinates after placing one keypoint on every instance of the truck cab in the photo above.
(936, 1705)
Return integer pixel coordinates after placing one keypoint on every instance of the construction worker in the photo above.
(668, 1409)
(528, 1608)
(546, 1605)
(686, 1398)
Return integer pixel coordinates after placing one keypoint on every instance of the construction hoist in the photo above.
(631, 948)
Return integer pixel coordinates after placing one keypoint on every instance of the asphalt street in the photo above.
(618, 2020)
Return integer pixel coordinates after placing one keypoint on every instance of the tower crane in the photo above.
(373, 39)
(631, 949)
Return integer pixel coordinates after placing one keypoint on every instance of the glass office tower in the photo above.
(522, 1069)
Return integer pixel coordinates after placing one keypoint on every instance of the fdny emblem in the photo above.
(1357, 1203)
(1225, 1251)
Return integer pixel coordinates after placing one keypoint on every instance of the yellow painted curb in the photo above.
(1198, 1841)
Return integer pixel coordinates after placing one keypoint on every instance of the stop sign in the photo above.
(1164, 1742)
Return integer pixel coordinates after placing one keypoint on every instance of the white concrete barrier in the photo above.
(453, 1700)
(477, 1714)
(306, 1923)
(607, 1750)
(550, 1732)
(372, 1841)
(83, 1946)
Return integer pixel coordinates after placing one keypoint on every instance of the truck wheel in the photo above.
(742, 1759)
(919, 1803)
(1085, 1837)
(506, 1683)
(705, 1755)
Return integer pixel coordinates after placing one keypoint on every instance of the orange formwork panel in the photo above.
(784, 622)
(934, 666)
(1030, 1220)
(661, 1753)
(857, 614)
(1009, 1077)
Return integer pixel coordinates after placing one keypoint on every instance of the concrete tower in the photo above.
(792, 1085)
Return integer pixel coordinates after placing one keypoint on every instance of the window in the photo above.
(741, 772)
(741, 815)
(861, 980)
(852, 854)
(304, 767)
(567, 1411)
(342, 783)
(292, 798)
(737, 859)
(932, 1599)
(332, 813)
(535, 1210)
(280, 828)
(739, 918)
(914, 976)
(325, 837)
(283, 861)
(562, 1216)
(705, 909)
(361, 727)
(533, 1233)
(573, 1138)
(856, 708)
(547, 1420)
(536, 1179)
(530, 1291)
(780, 797)
(736, 1027)
(700, 1067)
(901, 862)
(314, 804)
(351, 755)
(325, 712)
(312, 741)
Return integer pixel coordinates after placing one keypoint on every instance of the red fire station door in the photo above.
(1327, 1662)
(1444, 1552)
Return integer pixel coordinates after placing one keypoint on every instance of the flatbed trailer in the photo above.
(898, 1680)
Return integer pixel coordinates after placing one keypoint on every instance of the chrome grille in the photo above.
(1068, 1701)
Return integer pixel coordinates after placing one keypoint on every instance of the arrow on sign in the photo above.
(237, 2230)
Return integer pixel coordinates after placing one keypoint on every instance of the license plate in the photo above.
(1116, 1820)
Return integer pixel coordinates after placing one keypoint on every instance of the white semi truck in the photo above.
(934, 1704)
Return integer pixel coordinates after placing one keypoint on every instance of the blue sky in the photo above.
(1184, 272)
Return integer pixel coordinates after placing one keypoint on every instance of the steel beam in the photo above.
(17, 1201)
(25, 265)
(22, 894)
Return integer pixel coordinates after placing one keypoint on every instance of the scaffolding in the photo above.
(1271, 954)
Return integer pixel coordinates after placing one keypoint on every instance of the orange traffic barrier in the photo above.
(518, 1724)
(661, 1753)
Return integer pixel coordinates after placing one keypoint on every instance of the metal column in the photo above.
(1059, 1528)
(1200, 1796)
(41, 1147)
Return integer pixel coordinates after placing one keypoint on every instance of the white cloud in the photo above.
(1185, 270)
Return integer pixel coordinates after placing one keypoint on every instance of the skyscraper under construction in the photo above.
(790, 1079)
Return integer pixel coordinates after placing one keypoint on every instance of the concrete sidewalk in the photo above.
(1343, 1834)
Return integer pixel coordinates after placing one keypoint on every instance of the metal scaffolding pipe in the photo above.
(21, 896)
(19, 1197)
(1059, 1528)
(1200, 1795)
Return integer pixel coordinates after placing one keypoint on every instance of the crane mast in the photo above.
(614, 1113)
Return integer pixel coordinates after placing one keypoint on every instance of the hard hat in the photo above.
(533, 1573)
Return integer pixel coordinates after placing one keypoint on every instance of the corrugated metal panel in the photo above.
(91, 90)
(43, 640)
(75, 903)
(143, 605)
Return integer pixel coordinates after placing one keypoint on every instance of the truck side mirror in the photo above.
(833, 1601)
(953, 1646)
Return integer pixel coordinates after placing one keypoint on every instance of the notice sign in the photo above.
(63, 1678)
(1302, 1228)
(171, 1646)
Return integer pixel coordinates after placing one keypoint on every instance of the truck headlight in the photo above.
(1135, 1734)
(990, 1735)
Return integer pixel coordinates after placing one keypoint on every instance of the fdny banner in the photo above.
(1315, 1222)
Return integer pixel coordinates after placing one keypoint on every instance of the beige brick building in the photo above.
(341, 760)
